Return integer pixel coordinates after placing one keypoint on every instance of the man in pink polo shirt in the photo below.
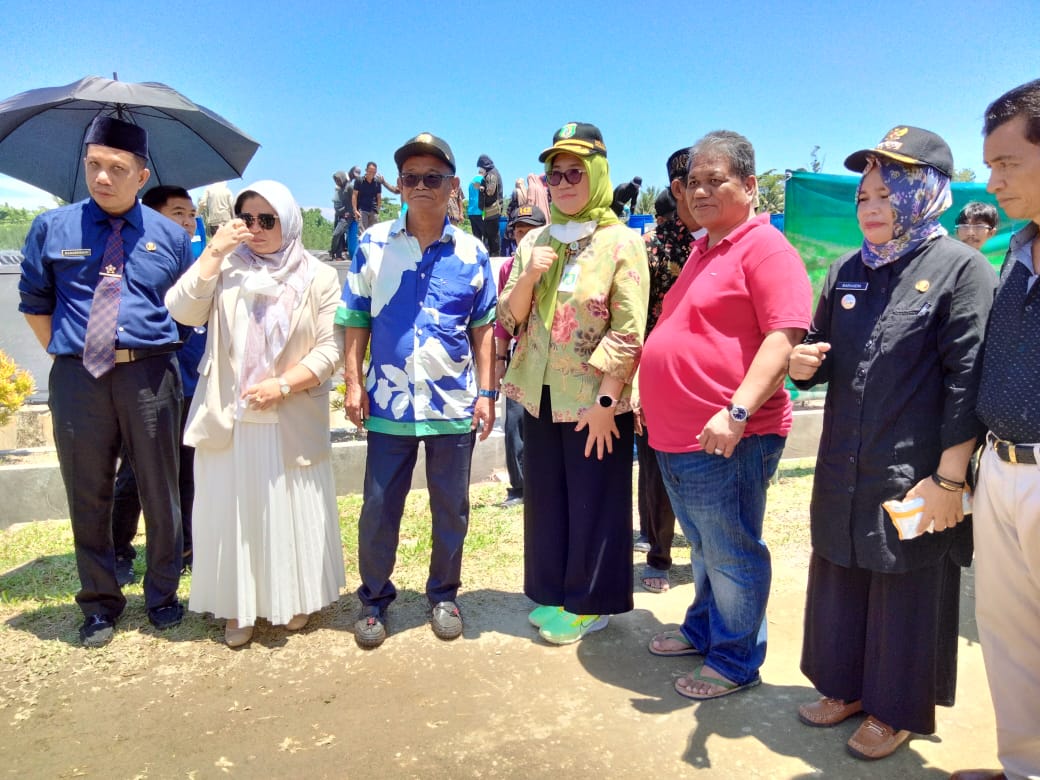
(711, 378)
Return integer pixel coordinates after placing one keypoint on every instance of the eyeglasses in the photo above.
(431, 181)
(266, 220)
(573, 176)
(974, 228)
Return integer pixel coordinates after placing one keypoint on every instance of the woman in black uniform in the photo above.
(896, 334)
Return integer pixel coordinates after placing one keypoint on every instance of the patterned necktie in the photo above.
(99, 352)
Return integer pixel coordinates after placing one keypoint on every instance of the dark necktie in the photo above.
(99, 351)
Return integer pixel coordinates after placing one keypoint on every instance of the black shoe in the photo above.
(511, 501)
(370, 628)
(446, 620)
(96, 630)
(166, 616)
(125, 571)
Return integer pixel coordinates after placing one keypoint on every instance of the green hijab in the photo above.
(601, 195)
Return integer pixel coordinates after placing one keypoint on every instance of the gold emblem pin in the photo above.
(923, 285)
(150, 246)
(110, 269)
(848, 301)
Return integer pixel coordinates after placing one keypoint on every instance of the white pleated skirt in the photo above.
(265, 536)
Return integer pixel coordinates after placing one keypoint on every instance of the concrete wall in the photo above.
(36, 491)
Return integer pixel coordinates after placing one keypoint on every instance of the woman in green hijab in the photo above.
(576, 301)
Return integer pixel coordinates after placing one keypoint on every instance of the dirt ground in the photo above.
(497, 703)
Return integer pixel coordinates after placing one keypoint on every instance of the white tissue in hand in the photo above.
(908, 517)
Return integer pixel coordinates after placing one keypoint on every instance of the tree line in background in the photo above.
(14, 225)
(317, 230)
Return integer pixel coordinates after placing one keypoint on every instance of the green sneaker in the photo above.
(541, 615)
(568, 627)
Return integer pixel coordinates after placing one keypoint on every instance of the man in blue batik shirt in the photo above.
(131, 397)
(422, 294)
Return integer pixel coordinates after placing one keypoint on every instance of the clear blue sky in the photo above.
(337, 84)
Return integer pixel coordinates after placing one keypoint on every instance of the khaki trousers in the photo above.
(1007, 581)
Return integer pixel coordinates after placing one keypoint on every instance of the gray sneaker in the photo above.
(96, 630)
(370, 628)
(446, 620)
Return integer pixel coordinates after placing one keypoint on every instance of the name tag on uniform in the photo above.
(569, 279)
(861, 286)
(75, 253)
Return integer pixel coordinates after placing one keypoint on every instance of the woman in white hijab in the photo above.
(266, 535)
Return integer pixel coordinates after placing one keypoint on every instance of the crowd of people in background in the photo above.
(677, 345)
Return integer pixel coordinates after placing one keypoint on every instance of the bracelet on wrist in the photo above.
(946, 484)
(492, 394)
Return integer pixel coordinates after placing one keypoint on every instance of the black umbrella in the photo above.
(42, 131)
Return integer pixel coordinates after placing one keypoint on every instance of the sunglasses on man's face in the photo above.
(431, 181)
(573, 176)
(266, 220)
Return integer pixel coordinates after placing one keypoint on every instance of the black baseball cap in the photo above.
(909, 145)
(425, 143)
(578, 138)
(528, 215)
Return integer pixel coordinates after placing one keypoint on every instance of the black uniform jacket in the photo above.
(903, 373)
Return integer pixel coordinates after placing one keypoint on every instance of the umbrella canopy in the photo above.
(42, 131)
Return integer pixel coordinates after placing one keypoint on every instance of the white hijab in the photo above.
(277, 282)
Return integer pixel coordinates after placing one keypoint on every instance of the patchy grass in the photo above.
(39, 619)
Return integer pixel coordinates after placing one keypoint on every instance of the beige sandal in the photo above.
(235, 636)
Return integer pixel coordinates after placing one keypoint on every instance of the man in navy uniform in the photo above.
(92, 287)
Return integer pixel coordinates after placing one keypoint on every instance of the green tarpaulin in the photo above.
(820, 219)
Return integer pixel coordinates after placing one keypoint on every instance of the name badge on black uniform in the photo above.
(861, 286)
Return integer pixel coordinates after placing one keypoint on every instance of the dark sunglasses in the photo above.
(266, 220)
(431, 181)
(573, 176)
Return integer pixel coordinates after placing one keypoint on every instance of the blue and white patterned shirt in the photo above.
(420, 306)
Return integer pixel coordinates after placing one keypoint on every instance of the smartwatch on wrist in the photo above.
(606, 401)
(738, 413)
(492, 394)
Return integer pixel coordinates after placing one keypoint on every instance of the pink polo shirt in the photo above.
(712, 322)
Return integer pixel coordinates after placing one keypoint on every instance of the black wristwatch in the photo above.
(606, 401)
(738, 413)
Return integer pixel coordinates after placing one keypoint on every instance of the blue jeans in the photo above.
(720, 504)
(388, 478)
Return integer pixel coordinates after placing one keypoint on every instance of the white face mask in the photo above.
(572, 231)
